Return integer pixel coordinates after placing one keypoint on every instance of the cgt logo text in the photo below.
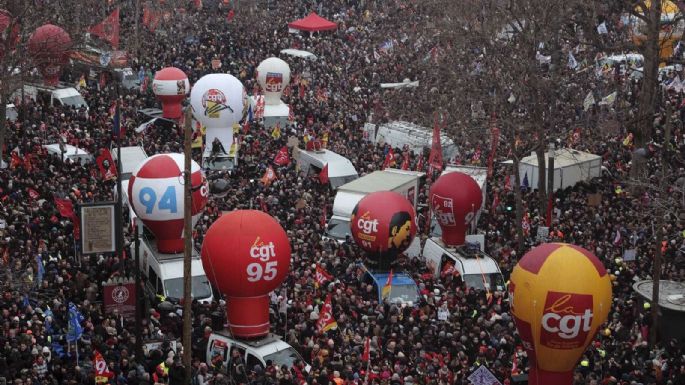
(366, 224)
(262, 251)
(566, 321)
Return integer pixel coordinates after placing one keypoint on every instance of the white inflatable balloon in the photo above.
(273, 75)
(218, 101)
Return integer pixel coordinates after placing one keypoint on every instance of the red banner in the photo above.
(108, 169)
(282, 158)
(435, 161)
(322, 276)
(326, 321)
(122, 297)
(102, 373)
(108, 29)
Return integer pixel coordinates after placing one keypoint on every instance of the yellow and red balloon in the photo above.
(560, 295)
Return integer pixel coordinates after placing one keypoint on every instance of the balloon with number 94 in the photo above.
(155, 192)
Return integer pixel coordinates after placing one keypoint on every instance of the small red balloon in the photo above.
(246, 255)
(383, 224)
(49, 47)
(455, 198)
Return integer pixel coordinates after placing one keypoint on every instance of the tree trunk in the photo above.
(542, 179)
(648, 91)
(3, 127)
(519, 208)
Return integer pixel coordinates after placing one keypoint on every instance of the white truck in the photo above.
(164, 272)
(61, 95)
(406, 183)
(476, 268)
(418, 138)
(252, 353)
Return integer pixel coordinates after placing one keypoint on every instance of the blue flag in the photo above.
(525, 185)
(41, 270)
(116, 121)
(75, 318)
(249, 114)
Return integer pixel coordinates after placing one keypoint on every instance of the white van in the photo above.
(67, 152)
(340, 169)
(475, 267)
(55, 96)
(131, 157)
(252, 352)
(164, 272)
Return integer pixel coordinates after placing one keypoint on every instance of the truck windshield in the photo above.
(285, 357)
(404, 293)
(339, 229)
(200, 287)
(73, 101)
(494, 281)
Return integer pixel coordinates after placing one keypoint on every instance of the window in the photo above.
(253, 361)
(152, 277)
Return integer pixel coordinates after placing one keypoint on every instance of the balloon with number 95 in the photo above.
(246, 255)
(155, 192)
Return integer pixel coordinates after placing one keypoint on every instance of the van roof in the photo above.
(70, 150)
(397, 278)
(131, 157)
(338, 165)
(263, 346)
(377, 181)
(477, 262)
(174, 268)
(65, 92)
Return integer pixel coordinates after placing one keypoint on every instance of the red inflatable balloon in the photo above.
(246, 255)
(384, 224)
(171, 86)
(49, 48)
(455, 198)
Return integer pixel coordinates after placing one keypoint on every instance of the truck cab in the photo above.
(222, 344)
(476, 268)
(164, 272)
(403, 289)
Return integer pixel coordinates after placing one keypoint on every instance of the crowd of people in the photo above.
(42, 272)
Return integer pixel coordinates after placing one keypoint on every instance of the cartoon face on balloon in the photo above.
(155, 192)
(383, 224)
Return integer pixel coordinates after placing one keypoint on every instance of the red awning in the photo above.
(313, 23)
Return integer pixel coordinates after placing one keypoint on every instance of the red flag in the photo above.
(323, 175)
(282, 158)
(366, 356)
(326, 321)
(269, 176)
(65, 207)
(230, 16)
(507, 183)
(291, 114)
(575, 138)
(16, 160)
(33, 194)
(102, 373)
(198, 4)
(108, 169)
(108, 29)
(435, 158)
(322, 276)
(301, 91)
(150, 19)
(389, 159)
(27, 163)
(525, 224)
(475, 159)
(405, 163)
(420, 166)
(6, 255)
(495, 202)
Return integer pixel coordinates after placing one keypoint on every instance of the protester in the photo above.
(331, 99)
